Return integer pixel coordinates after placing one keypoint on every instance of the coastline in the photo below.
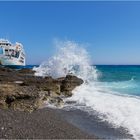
(22, 92)
(50, 123)
(93, 125)
(22, 96)
(44, 123)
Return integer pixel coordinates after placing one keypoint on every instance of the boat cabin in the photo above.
(12, 54)
(7, 49)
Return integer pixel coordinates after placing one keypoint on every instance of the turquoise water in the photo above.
(124, 79)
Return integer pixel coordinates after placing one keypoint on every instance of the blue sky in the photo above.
(112, 29)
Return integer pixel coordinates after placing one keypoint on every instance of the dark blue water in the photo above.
(31, 66)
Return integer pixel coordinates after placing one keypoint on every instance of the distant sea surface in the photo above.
(121, 78)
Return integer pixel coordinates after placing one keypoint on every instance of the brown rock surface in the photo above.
(21, 90)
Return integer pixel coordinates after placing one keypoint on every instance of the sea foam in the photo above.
(118, 109)
(70, 58)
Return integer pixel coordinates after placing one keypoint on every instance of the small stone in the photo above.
(18, 82)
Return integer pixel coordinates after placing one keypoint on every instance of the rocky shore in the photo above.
(22, 96)
(21, 90)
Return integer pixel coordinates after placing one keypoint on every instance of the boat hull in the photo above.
(9, 61)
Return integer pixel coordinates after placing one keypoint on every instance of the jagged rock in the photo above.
(26, 71)
(21, 90)
(69, 83)
(3, 69)
(56, 101)
(26, 105)
(3, 104)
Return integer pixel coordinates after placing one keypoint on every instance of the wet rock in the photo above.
(69, 83)
(55, 101)
(26, 71)
(26, 105)
(4, 69)
(21, 90)
(3, 104)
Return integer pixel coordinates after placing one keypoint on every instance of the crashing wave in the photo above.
(70, 58)
(118, 110)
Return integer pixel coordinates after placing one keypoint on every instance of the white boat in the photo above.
(11, 54)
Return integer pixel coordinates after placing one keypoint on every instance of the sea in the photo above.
(110, 92)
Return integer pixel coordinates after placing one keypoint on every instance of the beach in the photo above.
(41, 124)
(35, 108)
(22, 98)
(93, 125)
(70, 70)
(50, 123)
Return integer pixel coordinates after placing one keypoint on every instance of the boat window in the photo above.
(21, 58)
(21, 61)
(6, 52)
(12, 53)
(15, 53)
(23, 54)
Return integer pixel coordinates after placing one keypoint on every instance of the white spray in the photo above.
(69, 58)
(116, 109)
